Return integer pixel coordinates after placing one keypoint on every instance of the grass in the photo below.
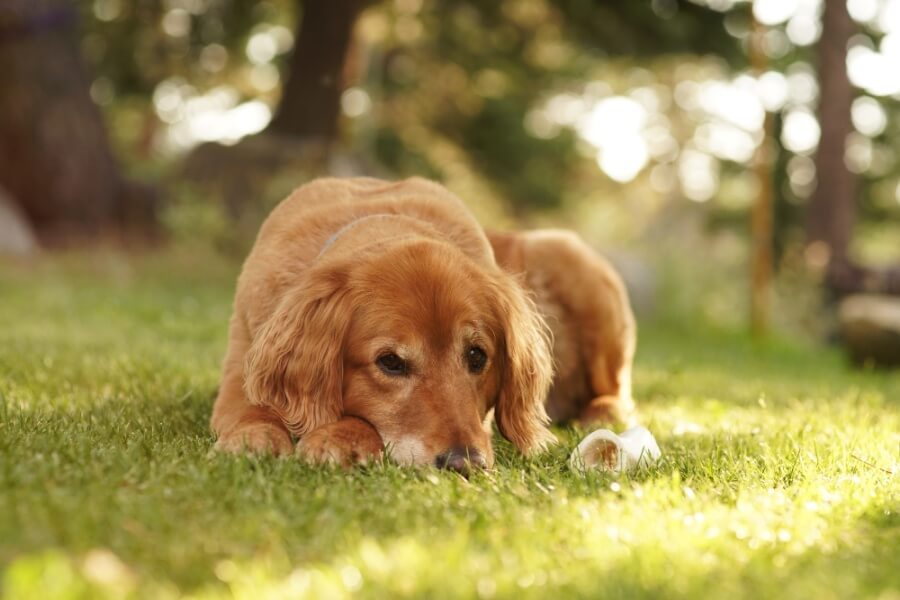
(774, 480)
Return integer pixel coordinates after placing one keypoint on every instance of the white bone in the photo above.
(603, 449)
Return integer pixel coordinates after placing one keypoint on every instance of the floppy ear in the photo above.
(527, 369)
(295, 362)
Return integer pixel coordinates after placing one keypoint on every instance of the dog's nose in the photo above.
(461, 460)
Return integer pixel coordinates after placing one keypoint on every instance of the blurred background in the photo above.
(739, 161)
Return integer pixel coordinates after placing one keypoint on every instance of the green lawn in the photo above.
(773, 480)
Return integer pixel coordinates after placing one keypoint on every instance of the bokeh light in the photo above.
(858, 153)
(868, 116)
(698, 173)
(876, 72)
(801, 175)
(215, 116)
(614, 126)
(801, 132)
(261, 48)
(177, 23)
(862, 11)
(355, 102)
(107, 10)
(774, 12)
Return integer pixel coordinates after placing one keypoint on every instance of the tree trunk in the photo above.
(310, 103)
(831, 213)
(55, 157)
(761, 217)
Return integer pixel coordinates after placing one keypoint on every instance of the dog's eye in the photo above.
(392, 364)
(476, 359)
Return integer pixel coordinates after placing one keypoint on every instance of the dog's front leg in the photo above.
(608, 409)
(345, 442)
(239, 425)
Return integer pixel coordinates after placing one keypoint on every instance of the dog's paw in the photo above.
(347, 442)
(260, 438)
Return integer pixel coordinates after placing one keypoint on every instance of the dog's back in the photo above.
(585, 304)
(326, 206)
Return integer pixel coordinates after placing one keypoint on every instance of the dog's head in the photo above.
(418, 340)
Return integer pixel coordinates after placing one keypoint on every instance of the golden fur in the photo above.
(344, 275)
(586, 306)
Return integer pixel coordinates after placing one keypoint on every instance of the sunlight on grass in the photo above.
(776, 477)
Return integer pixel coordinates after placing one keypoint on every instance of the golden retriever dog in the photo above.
(373, 315)
(585, 303)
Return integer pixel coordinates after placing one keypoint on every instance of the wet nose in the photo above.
(461, 460)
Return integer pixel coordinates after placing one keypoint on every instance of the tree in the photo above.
(310, 103)
(831, 213)
(55, 158)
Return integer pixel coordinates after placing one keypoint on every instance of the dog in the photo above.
(373, 315)
(585, 303)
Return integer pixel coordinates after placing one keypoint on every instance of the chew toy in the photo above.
(603, 449)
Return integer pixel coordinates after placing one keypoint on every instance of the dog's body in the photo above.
(372, 313)
(585, 304)
(368, 306)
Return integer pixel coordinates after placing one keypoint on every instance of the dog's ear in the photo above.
(527, 368)
(295, 362)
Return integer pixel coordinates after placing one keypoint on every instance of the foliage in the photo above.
(771, 483)
(460, 91)
(134, 46)
(476, 69)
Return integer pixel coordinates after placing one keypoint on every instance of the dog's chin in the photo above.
(408, 450)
